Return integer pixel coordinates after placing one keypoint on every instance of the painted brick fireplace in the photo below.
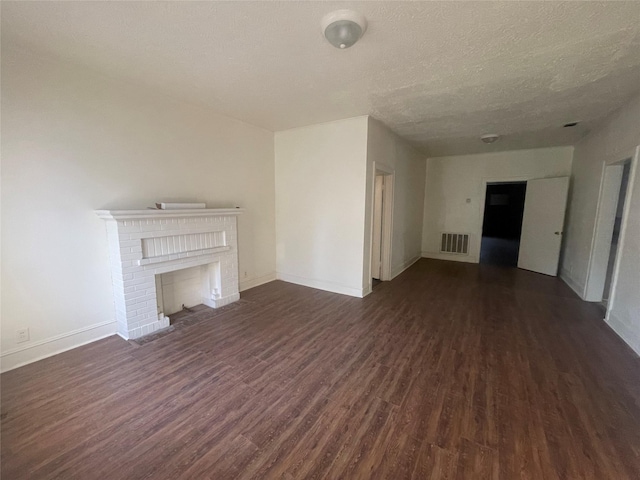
(146, 243)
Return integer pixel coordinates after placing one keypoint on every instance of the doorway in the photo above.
(381, 224)
(611, 219)
(502, 223)
(376, 241)
(617, 227)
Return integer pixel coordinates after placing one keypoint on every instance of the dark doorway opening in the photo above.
(502, 224)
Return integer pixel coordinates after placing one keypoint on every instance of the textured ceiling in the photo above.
(438, 73)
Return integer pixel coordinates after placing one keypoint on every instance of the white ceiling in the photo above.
(438, 73)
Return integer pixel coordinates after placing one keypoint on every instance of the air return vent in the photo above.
(455, 243)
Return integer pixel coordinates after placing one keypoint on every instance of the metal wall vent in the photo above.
(455, 243)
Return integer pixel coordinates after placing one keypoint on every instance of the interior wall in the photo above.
(320, 205)
(74, 141)
(409, 166)
(612, 141)
(455, 191)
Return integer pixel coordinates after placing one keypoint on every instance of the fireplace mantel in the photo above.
(146, 243)
(153, 213)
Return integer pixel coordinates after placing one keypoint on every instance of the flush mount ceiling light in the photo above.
(490, 138)
(343, 28)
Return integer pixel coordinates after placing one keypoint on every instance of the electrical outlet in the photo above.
(22, 335)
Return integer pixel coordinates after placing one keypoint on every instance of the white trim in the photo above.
(402, 267)
(48, 347)
(257, 281)
(455, 257)
(322, 285)
(153, 213)
(389, 175)
(627, 334)
(572, 283)
(387, 225)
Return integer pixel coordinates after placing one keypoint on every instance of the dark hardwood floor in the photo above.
(450, 371)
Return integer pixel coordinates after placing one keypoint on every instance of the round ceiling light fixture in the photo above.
(490, 138)
(343, 28)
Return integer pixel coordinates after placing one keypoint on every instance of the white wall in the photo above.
(409, 166)
(74, 141)
(614, 140)
(455, 189)
(320, 204)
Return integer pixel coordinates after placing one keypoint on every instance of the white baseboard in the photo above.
(630, 337)
(255, 282)
(402, 267)
(38, 350)
(322, 285)
(451, 256)
(574, 285)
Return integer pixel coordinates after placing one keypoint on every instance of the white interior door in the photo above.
(376, 244)
(542, 223)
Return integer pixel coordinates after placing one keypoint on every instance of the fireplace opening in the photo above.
(187, 287)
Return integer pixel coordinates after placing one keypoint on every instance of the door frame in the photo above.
(376, 229)
(603, 229)
(388, 175)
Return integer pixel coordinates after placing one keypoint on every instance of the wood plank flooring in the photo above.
(451, 371)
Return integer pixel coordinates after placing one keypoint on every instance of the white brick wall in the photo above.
(145, 243)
